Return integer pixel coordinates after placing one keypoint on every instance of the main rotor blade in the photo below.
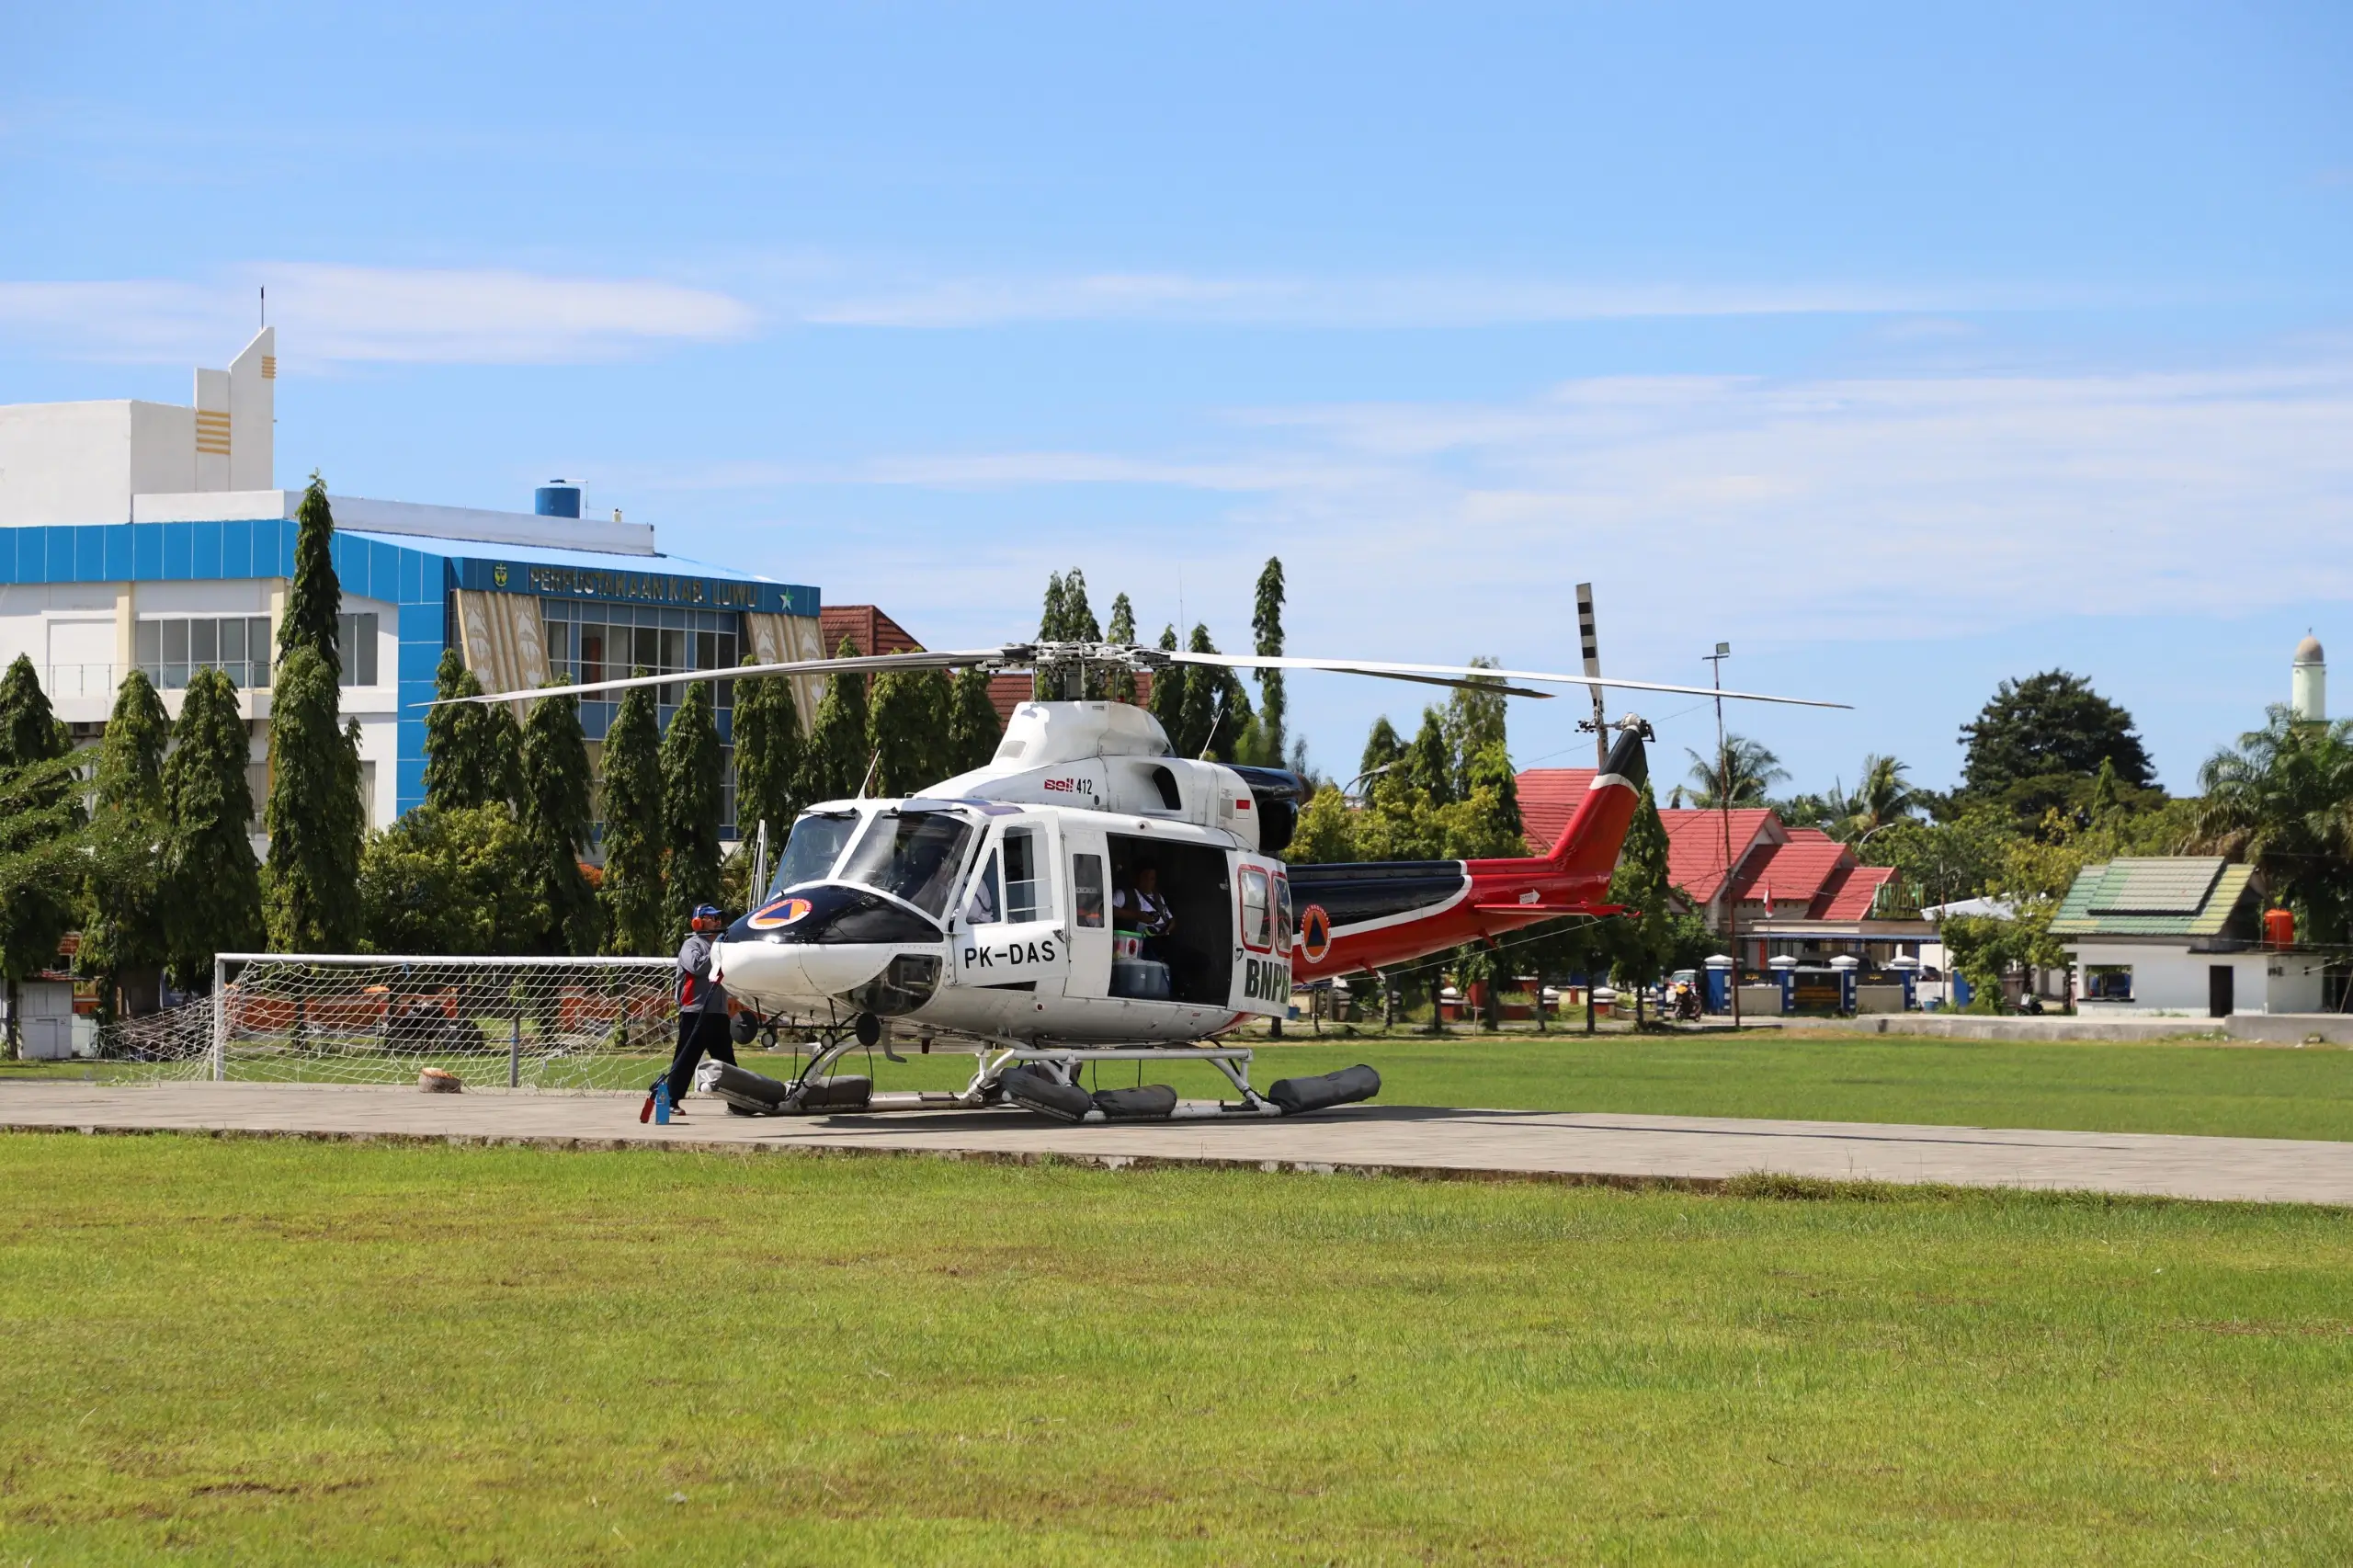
(869, 662)
(1472, 675)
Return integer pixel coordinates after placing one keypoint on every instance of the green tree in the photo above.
(1267, 634)
(1382, 751)
(1216, 710)
(904, 728)
(40, 832)
(2282, 802)
(769, 761)
(1944, 862)
(212, 882)
(473, 750)
(1171, 687)
(1121, 685)
(314, 817)
(1474, 721)
(1640, 941)
(693, 773)
(1740, 776)
(1052, 617)
(454, 879)
(314, 604)
(1485, 823)
(558, 818)
(633, 826)
(837, 753)
(2040, 742)
(1326, 834)
(124, 945)
(1429, 761)
(974, 727)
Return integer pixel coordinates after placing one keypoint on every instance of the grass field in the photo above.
(274, 1352)
(2079, 1086)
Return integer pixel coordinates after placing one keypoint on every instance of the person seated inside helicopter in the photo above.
(1139, 907)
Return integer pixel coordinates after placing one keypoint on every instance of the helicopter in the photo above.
(1087, 896)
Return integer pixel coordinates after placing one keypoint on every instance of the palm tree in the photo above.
(1740, 776)
(2283, 802)
(1884, 796)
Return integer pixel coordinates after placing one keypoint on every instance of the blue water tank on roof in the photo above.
(556, 498)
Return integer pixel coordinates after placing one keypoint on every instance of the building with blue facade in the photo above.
(98, 575)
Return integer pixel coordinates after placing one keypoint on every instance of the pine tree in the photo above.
(837, 754)
(1171, 685)
(40, 824)
(212, 881)
(1474, 721)
(904, 729)
(693, 770)
(633, 826)
(1641, 941)
(769, 761)
(314, 819)
(974, 727)
(473, 750)
(1382, 752)
(558, 817)
(1078, 617)
(1267, 627)
(123, 941)
(1121, 685)
(314, 606)
(1429, 761)
(1052, 617)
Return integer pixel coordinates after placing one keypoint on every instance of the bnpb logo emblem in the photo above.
(1314, 934)
(782, 913)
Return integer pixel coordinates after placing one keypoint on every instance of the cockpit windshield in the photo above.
(816, 843)
(914, 856)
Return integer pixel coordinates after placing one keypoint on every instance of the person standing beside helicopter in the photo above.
(703, 1011)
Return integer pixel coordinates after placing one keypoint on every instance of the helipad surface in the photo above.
(1402, 1139)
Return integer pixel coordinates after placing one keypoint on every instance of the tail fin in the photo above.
(1588, 847)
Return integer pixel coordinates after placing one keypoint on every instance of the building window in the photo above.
(2107, 982)
(592, 643)
(355, 643)
(171, 648)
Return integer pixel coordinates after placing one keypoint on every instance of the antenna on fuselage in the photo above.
(872, 764)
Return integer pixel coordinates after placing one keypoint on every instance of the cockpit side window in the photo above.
(1282, 914)
(983, 902)
(1257, 917)
(916, 856)
(809, 853)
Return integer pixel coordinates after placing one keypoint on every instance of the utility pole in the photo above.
(1715, 663)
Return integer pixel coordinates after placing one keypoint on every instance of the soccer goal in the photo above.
(563, 1024)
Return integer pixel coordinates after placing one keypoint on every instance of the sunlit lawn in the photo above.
(269, 1352)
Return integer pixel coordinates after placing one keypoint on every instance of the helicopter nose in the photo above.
(796, 972)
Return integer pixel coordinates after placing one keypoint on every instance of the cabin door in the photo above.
(1087, 871)
(1012, 928)
(1261, 938)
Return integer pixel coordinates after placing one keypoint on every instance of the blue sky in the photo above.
(1905, 352)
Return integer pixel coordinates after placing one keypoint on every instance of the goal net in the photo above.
(561, 1024)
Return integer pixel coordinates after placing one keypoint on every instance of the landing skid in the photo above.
(1042, 1078)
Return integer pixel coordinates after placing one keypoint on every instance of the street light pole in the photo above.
(1715, 663)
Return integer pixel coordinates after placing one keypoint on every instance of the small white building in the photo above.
(2180, 936)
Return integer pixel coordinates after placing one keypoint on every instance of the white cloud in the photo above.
(1377, 303)
(366, 313)
(1794, 511)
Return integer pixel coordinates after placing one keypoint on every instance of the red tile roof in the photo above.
(1793, 876)
(1851, 894)
(867, 627)
(1009, 692)
(1549, 797)
(1695, 846)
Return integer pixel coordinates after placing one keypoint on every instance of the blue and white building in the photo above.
(143, 534)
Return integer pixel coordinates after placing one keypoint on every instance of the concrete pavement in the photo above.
(1698, 1150)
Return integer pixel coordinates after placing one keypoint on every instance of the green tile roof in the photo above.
(2179, 895)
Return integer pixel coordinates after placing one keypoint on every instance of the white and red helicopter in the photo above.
(983, 915)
